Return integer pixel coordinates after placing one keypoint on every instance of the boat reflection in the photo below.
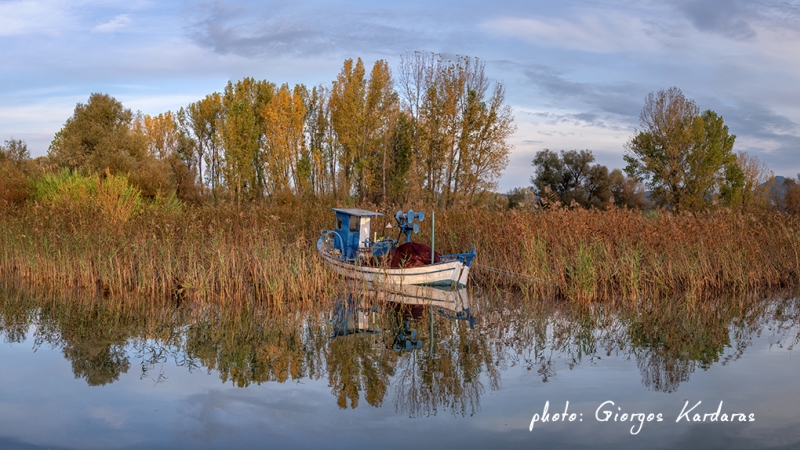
(358, 310)
(385, 330)
(420, 348)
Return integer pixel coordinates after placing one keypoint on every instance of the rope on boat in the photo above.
(513, 274)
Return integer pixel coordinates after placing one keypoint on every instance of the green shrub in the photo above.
(111, 195)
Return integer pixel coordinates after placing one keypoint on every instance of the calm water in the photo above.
(472, 371)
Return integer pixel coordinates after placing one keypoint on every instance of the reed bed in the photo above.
(588, 255)
(267, 254)
(206, 255)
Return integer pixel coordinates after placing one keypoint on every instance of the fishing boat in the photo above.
(354, 251)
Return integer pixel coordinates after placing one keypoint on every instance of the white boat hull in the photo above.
(445, 273)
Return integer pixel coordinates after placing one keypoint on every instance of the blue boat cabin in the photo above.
(353, 232)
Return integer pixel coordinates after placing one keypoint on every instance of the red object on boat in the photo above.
(411, 254)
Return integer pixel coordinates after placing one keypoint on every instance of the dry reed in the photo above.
(588, 255)
(267, 254)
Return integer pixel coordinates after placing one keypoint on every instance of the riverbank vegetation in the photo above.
(222, 201)
(267, 254)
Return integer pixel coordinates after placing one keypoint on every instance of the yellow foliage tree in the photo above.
(284, 120)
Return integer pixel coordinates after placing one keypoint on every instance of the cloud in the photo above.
(757, 120)
(591, 31)
(18, 18)
(254, 31)
(740, 19)
(54, 17)
(725, 17)
(623, 98)
(117, 23)
(775, 138)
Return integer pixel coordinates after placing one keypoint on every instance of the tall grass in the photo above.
(195, 254)
(266, 254)
(590, 255)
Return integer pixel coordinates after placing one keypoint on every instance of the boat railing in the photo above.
(329, 243)
(466, 258)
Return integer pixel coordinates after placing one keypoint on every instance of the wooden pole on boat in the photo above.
(433, 234)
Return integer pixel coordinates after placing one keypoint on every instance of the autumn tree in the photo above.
(680, 153)
(16, 152)
(400, 158)
(381, 113)
(793, 197)
(321, 141)
(15, 164)
(354, 139)
(347, 105)
(169, 164)
(239, 133)
(286, 160)
(203, 118)
(413, 80)
(571, 177)
(152, 173)
(242, 135)
(162, 134)
(185, 161)
(626, 192)
(519, 198)
(461, 126)
(746, 186)
(98, 136)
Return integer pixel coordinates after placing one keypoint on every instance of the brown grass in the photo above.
(215, 255)
(267, 254)
(590, 255)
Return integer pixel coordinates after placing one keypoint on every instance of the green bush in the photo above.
(111, 195)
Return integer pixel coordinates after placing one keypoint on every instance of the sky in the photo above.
(576, 73)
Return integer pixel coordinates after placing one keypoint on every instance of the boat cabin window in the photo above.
(338, 223)
(354, 226)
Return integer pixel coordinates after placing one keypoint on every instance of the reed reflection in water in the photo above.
(427, 350)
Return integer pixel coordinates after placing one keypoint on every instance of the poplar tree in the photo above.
(321, 140)
(381, 111)
(284, 140)
(347, 117)
(203, 118)
(681, 154)
(361, 112)
(242, 133)
(459, 135)
(162, 134)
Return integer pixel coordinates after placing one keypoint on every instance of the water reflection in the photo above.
(421, 350)
(252, 346)
(92, 340)
(380, 335)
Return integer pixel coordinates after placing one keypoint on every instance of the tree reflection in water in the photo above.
(359, 358)
(448, 375)
(92, 336)
(360, 345)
